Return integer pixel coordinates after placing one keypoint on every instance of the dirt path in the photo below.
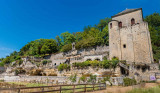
(120, 89)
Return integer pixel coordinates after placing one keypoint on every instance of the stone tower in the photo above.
(129, 37)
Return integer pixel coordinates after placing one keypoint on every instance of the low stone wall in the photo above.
(53, 79)
(85, 71)
(37, 79)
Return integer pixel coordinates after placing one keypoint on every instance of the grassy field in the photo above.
(78, 90)
(150, 90)
(67, 89)
(27, 84)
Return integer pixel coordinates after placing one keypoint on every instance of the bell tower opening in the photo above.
(120, 24)
(132, 21)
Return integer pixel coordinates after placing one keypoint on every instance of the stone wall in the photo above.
(2, 69)
(94, 57)
(126, 18)
(80, 55)
(86, 71)
(53, 80)
(40, 79)
(130, 42)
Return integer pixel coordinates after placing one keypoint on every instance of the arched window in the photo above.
(110, 25)
(55, 64)
(120, 24)
(132, 21)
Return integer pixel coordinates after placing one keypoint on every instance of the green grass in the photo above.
(27, 84)
(78, 90)
(150, 90)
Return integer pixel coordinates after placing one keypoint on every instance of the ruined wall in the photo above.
(2, 69)
(57, 59)
(80, 55)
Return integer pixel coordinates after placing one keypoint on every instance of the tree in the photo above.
(105, 35)
(49, 47)
(59, 42)
(78, 36)
(67, 38)
(66, 48)
(6, 60)
(154, 28)
(103, 23)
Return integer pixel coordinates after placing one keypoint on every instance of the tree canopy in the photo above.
(154, 28)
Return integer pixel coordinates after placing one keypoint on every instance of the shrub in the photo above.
(106, 79)
(73, 78)
(101, 64)
(20, 71)
(83, 78)
(1, 64)
(19, 62)
(44, 62)
(92, 79)
(62, 67)
(128, 81)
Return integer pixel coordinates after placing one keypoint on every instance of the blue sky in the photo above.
(22, 21)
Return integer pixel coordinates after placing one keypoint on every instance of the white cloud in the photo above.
(4, 51)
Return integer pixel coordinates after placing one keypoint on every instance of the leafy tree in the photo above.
(6, 60)
(59, 42)
(1, 64)
(103, 23)
(154, 28)
(78, 36)
(49, 47)
(67, 38)
(66, 48)
(62, 67)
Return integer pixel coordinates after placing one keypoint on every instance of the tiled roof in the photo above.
(127, 11)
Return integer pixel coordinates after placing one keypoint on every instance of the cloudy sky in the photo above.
(22, 21)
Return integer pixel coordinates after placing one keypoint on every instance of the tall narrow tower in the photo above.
(129, 37)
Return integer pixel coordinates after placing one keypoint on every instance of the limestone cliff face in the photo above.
(129, 37)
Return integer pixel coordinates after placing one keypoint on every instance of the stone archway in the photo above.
(98, 59)
(124, 71)
(89, 59)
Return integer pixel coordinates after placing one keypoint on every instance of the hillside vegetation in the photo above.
(90, 36)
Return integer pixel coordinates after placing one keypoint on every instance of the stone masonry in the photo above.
(129, 37)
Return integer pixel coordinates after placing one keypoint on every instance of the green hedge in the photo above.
(100, 64)
(128, 81)
(62, 67)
